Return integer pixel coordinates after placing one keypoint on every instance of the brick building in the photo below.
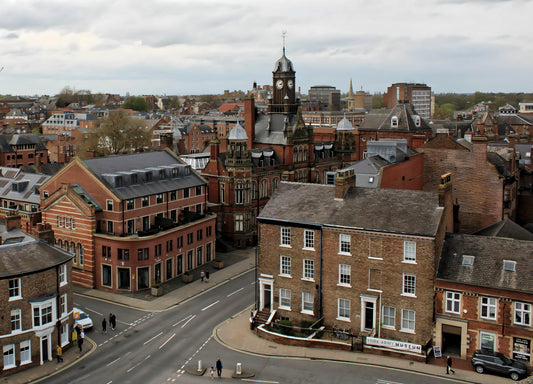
(416, 94)
(485, 185)
(483, 298)
(361, 259)
(24, 149)
(130, 221)
(35, 300)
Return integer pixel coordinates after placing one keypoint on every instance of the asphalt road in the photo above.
(152, 347)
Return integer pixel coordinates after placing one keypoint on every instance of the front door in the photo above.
(369, 315)
(267, 291)
(44, 347)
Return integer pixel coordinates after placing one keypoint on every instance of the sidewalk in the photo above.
(235, 332)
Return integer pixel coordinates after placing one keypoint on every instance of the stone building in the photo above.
(360, 259)
(131, 221)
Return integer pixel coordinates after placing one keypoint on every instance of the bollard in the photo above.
(238, 370)
(199, 365)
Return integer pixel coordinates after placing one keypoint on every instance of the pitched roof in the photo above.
(487, 269)
(385, 210)
(506, 228)
(406, 116)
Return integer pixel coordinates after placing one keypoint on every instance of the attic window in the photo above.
(394, 121)
(371, 179)
(133, 179)
(509, 265)
(468, 261)
(417, 121)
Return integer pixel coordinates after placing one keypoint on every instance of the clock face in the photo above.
(279, 84)
(290, 84)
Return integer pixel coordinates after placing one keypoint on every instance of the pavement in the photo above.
(235, 333)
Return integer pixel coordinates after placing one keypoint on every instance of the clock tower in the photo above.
(283, 83)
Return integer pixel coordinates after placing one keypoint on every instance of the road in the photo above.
(151, 347)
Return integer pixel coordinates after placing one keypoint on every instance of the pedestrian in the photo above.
(104, 326)
(219, 367)
(59, 352)
(110, 321)
(202, 275)
(449, 365)
(212, 373)
(207, 275)
(80, 339)
(113, 322)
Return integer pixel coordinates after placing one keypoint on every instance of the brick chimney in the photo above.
(249, 120)
(344, 180)
(214, 147)
(44, 232)
(446, 200)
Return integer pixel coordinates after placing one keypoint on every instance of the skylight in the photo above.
(509, 265)
(468, 261)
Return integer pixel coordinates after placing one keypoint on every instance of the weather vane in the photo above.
(283, 36)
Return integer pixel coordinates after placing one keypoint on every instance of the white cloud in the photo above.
(180, 47)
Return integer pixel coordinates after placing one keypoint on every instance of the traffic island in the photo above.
(195, 370)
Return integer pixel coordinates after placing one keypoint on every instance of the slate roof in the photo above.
(489, 254)
(506, 228)
(273, 133)
(384, 210)
(369, 166)
(6, 141)
(24, 190)
(406, 120)
(237, 133)
(499, 162)
(105, 168)
(30, 257)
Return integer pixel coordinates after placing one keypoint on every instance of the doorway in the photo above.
(267, 292)
(44, 347)
(451, 340)
(369, 315)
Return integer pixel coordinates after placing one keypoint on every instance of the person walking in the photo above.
(104, 326)
(80, 339)
(219, 367)
(207, 275)
(59, 353)
(212, 373)
(113, 322)
(449, 365)
(202, 275)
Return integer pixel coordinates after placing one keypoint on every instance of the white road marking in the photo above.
(135, 366)
(232, 293)
(159, 334)
(170, 338)
(108, 364)
(210, 305)
(92, 310)
(181, 320)
(260, 381)
(187, 322)
(382, 381)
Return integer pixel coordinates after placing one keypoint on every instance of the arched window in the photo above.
(275, 182)
(263, 188)
(239, 193)
(59, 243)
(254, 190)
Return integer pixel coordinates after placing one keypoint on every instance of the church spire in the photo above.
(350, 92)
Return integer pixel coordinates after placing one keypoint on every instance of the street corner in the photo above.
(243, 374)
(192, 370)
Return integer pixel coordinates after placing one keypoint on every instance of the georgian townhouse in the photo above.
(35, 300)
(484, 296)
(130, 221)
(361, 259)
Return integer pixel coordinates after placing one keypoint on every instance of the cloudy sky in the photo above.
(178, 47)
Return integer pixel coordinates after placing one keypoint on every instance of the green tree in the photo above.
(117, 134)
(377, 101)
(137, 103)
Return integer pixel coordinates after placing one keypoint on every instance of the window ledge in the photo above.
(409, 262)
(388, 327)
(344, 285)
(15, 298)
(408, 295)
(452, 313)
(308, 279)
(24, 362)
(63, 283)
(408, 331)
(308, 249)
(345, 253)
(285, 246)
(284, 308)
(308, 312)
(343, 319)
(374, 290)
(375, 258)
(287, 276)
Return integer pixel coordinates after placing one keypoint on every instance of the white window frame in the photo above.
(409, 252)
(15, 292)
(285, 265)
(63, 274)
(345, 244)
(25, 352)
(345, 275)
(239, 222)
(409, 284)
(73, 223)
(285, 299)
(309, 269)
(16, 318)
(309, 239)
(343, 309)
(285, 237)
(453, 302)
(63, 302)
(308, 301)
(408, 324)
(389, 317)
(51, 303)
(525, 310)
(488, 303)
(9, 356)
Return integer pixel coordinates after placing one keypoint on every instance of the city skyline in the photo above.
(186, 47)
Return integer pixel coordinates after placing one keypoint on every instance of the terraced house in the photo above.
(130, 221)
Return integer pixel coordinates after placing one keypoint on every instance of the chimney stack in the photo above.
(249, 120)
(344, 180)
(446, 200)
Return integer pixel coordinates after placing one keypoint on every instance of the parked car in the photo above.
(498, 363)
(82, 319)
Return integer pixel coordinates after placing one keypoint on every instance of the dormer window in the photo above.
(134, 179)
(417, 120)
(394, 121)
(468, 261)
(509, 265)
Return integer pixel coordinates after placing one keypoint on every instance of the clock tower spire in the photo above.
(283, 83)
